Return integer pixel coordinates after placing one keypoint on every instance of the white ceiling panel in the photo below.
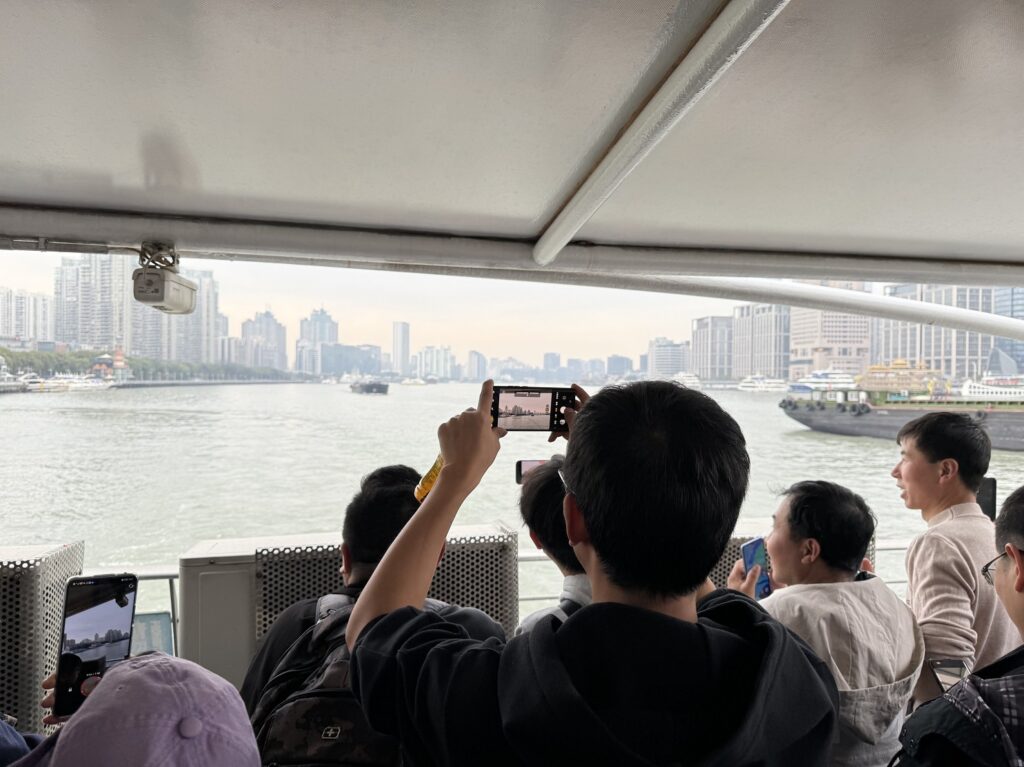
(871, 126)
(478, 116)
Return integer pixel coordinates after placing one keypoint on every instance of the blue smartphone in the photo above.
(754, 554)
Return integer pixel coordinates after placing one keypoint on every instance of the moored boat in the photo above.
(761, 383)
(369, 387)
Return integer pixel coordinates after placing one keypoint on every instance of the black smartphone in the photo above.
(525, 467)
(948, 672)
(97, 633)
(987, 497)
(531, 408)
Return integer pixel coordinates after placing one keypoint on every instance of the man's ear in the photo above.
(346, 563)
(949, 470)
(575, 526)
(810, 551)
(1017, 562)
(535, 539)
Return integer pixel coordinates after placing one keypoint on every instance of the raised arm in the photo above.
(468, 446)
(941, 593)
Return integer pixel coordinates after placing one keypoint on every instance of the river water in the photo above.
(141, 475)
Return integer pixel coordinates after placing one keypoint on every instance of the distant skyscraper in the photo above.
(711, 342)
(319, 329)
(826, 340)
(760, 341)
(264, 341)
(552, 360)
(400, 348)
(664, 358)
(1009, 302)
(956, 354)
(93, 301)
(223, 327)
(596, 369)
(65, 299)
(435, 362)
(476, 366)
(577, 368)
(619, 366)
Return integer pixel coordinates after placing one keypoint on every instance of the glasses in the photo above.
(986, 571)
(561, 476)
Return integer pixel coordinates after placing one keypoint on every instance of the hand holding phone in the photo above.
(531, 408)
(98, 615)
(753, 553)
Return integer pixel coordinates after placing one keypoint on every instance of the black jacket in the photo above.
(613, 685)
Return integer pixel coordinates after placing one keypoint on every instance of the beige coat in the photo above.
(871, 643)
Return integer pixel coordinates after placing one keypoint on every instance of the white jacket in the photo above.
(869, 639)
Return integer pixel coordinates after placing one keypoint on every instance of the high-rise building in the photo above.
(664, 358)
(956, 354)
(760, 341)
(476, 366)
(26, 316)
(6, 313)
(827, 340)
(619, 366)
(575, 367)
(338, 359)
(193, 337)
(552, 360)
(1009, 302)
(711, 338)
(435, 362)
(264, 342)
(400, 348)
(596, 370)
(65, 300)
(315, 331)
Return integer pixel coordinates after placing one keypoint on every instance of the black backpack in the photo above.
(307, 713)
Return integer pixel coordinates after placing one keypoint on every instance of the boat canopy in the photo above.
(667, 141)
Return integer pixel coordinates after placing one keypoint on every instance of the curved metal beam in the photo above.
(727, 37)
(56, 229)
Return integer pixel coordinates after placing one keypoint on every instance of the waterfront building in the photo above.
(93, 301)
(65, 300)
(476, 366)
(828, 340)
(435, 362)
(26, 316)
(596, 370)
(1009, 302)
(665, 358)
(341, 359)
(318, 329)
(618, 366)
(400, 348)
(712, 348)
(193, 337)
(575, 369)
(955, 354)
(552, 361)
(643, 364)
(760, 341)
(264, 342)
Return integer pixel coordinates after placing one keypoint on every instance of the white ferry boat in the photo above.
(759, 383)
(689, 380)
(991, 389)
(823, 381)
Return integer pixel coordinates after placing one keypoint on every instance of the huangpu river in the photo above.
(142, 475)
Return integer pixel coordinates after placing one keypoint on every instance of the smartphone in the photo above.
(531, 408)
(948, 672)
(96, 635)
(754, 554)
(987, 497)
(525, 467)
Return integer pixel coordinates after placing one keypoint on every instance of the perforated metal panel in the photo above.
(480, 569)
(31, 608)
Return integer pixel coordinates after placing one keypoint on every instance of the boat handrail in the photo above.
(169, 573)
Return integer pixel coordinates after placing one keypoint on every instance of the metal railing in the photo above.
(169, 573)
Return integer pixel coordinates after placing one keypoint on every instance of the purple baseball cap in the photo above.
(154, 711)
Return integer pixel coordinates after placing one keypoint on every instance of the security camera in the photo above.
(164, 289)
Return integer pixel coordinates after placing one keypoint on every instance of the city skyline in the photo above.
(492, 317)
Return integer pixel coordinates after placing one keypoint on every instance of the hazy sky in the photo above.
(499, 319)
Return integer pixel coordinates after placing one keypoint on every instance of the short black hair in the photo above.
(952, 435)
(541, 507)
(836, 517)
(659, 473)
(391, 476)
(374, 517)
(1010, 522)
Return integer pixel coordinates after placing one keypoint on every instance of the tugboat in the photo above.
(369, 387)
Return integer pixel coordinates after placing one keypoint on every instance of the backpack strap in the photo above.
(332, 611)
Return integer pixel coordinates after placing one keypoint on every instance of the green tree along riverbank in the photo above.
(80, 362)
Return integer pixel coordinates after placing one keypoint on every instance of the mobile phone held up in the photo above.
(753, 553)
(948, 672)
(531, 408)
(525, 467)
(97, 634)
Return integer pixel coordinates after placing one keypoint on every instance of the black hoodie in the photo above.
(613, 685)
